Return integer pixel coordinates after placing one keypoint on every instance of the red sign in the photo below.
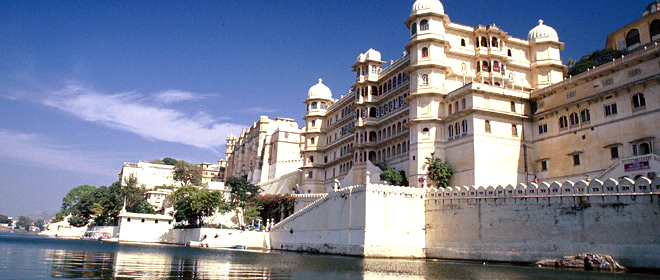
(421, 180)
(636, 166)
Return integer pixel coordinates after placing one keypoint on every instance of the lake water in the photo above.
(25, 256)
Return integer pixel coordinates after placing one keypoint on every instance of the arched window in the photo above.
(485, 67)
(463, 104)
(314, 105)
(644, 149)
(449, 110)
(398, 149)
(425, 80)
(398, 127)
(513, 106)
(413, 29)
(424, 25)
(405, 147)
(425, 130)
(585, 116)
(508, 52)
(425, 52)
(654, 28)
(484, 42)
(462, 42)
(632, 38)
(311, 159)
(514, 130)
(563, 122)
(638, 100)
(464, 126)
(311, 141)
(574, 119)
(496, 66)
(494, 43)
(389, 131)
(399, 78)
(487, 126)
(323, 106)
(388, 152)
(394, 82)
(457, 128)
(451, 131)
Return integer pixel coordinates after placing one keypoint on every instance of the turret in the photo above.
(546, 64)
(319, 98)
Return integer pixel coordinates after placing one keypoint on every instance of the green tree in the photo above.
(394, 177)
(252, 212)
(192, 204)
(169, 161)
(439, 171)
(187, 173)
(596, 59)
(72, 198)
(5, 220)
(24, 222)
(39, 224)
(241, 191)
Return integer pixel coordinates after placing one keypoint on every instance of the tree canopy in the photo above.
(187, 173)
(439, 171)
(192, 204)
(241, 191)
(596, 58)
(5, 220)
(394, 177)
(24, 222)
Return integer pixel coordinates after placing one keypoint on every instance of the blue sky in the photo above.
(88, 85)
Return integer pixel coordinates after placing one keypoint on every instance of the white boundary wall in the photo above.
(530, 223)
(370, 221)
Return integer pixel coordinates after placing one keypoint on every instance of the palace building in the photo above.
(498, 109)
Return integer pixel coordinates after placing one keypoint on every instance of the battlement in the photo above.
(626, 186)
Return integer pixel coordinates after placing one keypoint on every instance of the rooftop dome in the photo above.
(421, 5)
(371, 54)
(319, 91)
(542, 31)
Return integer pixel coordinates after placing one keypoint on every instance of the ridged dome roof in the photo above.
(542, 31)
(428, 5)
(319, 91)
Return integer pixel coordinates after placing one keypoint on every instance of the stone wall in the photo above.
(530, 223)
(302, 200)
(370, 221)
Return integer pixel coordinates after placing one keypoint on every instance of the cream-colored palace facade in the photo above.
(496, 107)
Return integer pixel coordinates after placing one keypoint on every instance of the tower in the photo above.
(427, 74)
(319, 98)
(546, 64)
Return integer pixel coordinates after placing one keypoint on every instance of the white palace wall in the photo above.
(527, 224)
(370, 221)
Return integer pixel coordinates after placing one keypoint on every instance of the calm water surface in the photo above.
(24, 256)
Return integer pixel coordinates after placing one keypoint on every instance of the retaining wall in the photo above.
(530, 223)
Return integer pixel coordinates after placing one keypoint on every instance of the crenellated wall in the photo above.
(370, 221)
(530, 223)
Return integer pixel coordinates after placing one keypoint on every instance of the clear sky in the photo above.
(88, 85)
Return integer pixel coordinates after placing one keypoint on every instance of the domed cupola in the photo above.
(421, 6)
(541, 32)
(319, 91)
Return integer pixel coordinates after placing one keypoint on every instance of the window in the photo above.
(642, 148)
(464, 125)
(574, 119)
(457, 128)
(514, 130)
(632, 39)
(449, 111)
(585, 117)
(314, 105)
(374, 69)
(425, 80)
(494, 43)
(323, 106)
(496, 66)
(654, 28)
(544, 165)
(576, 159)
(310, 175)
(610, 109)
(487, 126)
(513, 106)
(614, 152)
(311, 141)
(463, 104)
(484, 42)
(462, 42)
(451, 131)
(413, 29)
(425, 52)
(508, 52)
(563, 122)
(638, 101)
(311, 159)
(424, 25)
(313, 123)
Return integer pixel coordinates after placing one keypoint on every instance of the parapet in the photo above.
(625, 186)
